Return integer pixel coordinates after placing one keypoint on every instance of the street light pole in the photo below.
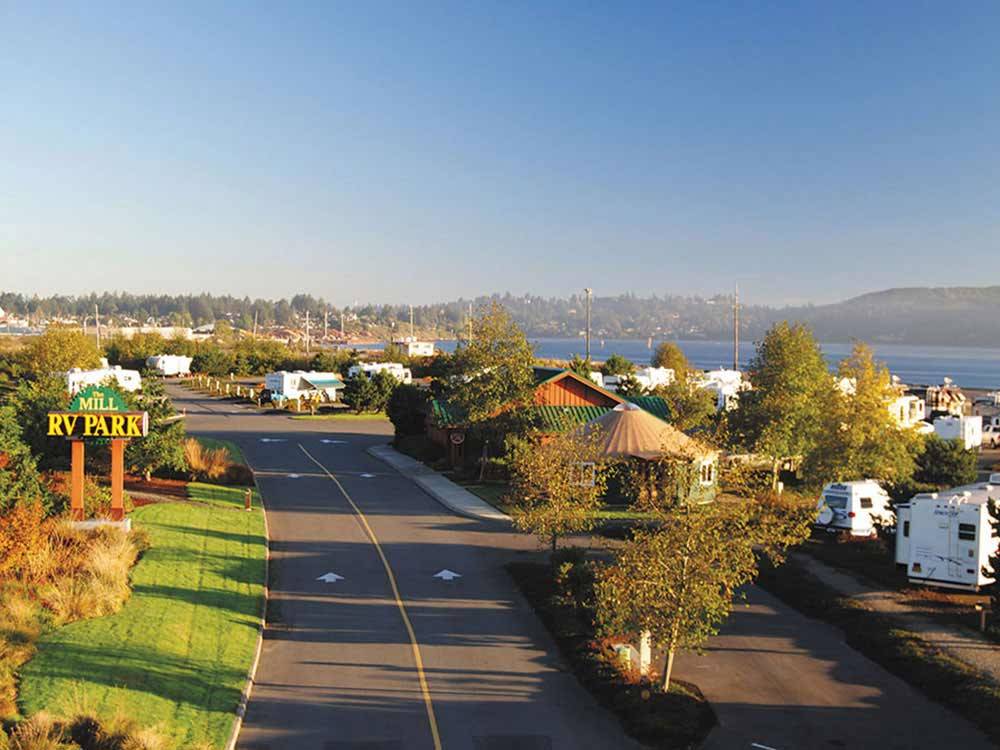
(589, 292)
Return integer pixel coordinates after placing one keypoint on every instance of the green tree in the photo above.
(58, 350)
(163, 447)
(32, 401)
(678, 583)
(493, 371)
(211, 359)
(580, 366)
(407, 409)
(782, 417)
(859, 437)
(20, 482)
(132, 353)
(690, 407)
(670, 355)
(946, 463)
(556, 485)
(359, 393)
(629, 385)
(616, 364)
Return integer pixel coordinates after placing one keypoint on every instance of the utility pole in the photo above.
(470, 322)
(307, 331)
(326, 323)
(254, 325)
(411, 321)
(97, 321)
(736, 328)
(342, 323)
(589, 292)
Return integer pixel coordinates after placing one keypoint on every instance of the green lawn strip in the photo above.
(176, 656)
(235, 454)
(344, 417)
(495, 494)
(679, 719)
(941, 677)
(217, 494)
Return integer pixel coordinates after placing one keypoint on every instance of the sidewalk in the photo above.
(453, 497)
(963, 644)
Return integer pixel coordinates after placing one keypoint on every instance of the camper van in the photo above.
(170, 365)
(284, 386)
(857, 507)
(946, 538)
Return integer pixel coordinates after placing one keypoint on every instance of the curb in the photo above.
(425, 478)
(241, 709)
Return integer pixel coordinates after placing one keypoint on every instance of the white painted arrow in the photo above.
(333, 442)
(367, 476)
(273, 440)
(330, 578)
(447, 575)
(293, 476)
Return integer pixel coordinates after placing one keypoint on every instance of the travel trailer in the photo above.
(127, 380)
(856, 507)
(402, 374)
(170, 365)
(413, 348)
(968, 430)
(288, 386)
(946, 538)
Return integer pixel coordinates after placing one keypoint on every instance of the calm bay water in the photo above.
(969, 367)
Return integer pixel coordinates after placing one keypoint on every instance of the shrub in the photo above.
(39, 732)
(97, 500)
(407, 409)
(205, 463)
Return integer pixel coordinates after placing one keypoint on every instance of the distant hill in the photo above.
(956, 316)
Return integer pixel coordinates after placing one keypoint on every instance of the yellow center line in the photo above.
(421, 676)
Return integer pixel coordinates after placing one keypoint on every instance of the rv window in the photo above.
(836, 502)
(866, 502)
(967, 531)
(906, 528)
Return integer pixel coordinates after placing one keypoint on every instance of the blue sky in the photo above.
(402, 152)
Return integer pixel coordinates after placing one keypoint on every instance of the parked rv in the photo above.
(127, 380)
(967, 430)
(284, 386)
(946, 538)
(402, 374)
(857, 507)
(170, 365)
(991, 435)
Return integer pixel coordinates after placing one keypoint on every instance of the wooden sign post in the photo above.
(98, 415)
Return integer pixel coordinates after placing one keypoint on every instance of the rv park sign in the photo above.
(98, 414)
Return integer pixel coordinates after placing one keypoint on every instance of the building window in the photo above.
(708, 473)
(866, 502)
(967, 531)
(906, 528)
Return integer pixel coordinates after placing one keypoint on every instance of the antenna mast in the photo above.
(736, 328)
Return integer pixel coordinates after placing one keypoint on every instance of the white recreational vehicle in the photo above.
(946, 538)
(402, 374)
(412, 347)
(170, 364)
(856, 507)
(968, 430)
(127, 380)
(289, 386)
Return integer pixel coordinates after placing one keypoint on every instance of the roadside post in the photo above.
(248, 499)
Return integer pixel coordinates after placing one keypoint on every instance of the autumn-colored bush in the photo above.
(82, 732)
(21, 531)
(206, 463)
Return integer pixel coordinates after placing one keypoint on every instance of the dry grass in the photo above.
(210, 463)
(53, 574)
(39, 732)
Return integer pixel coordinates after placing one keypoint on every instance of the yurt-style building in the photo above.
(631, 435)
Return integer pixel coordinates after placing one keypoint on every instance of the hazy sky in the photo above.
(420, 151)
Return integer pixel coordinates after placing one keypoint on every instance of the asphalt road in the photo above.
(339, 667)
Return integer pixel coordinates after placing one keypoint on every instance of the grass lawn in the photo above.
(493, 493)
(235, 454)
(347, 416)
(176, 656)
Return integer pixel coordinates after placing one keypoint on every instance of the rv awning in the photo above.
(323, 382)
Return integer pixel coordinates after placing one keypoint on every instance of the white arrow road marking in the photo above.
(447, 575)
(293, 476)
(333, 442)
(762, 747)
(273, 440)
(330, 578)
(367, 476)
